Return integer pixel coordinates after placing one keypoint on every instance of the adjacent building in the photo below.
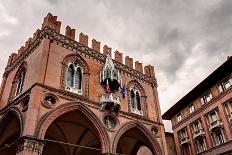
(60, 96)
(202, 119)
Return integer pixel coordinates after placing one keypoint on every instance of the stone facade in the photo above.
(201, 120)
(52, 94)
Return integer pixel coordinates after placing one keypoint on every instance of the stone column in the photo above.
(30, 146)
(225, 122)
(177, 142)
(192, 145)
(207, 133)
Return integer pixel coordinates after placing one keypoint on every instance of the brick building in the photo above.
(202, 119)
(170, 143)
(59, 96)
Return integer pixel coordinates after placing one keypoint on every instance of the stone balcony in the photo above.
(198, 133)
(74, 90)
(215, 124)
(110, 102)
(184, 140)
(136, 111)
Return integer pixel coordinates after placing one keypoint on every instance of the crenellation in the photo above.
(146, 71)
(36, 35)
(51, 21)
(152, 71)
(83, 39)
(57, 78)
(118, 56)
(129, 62)
(139, 66)
(11, 59)
(96, 45)
(28, 43)
(149, 71)
(107, 50)
(21, 50)
(70, 33)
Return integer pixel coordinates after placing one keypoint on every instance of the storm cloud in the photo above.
(184, 39)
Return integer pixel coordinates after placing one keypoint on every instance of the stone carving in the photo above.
(31, 145)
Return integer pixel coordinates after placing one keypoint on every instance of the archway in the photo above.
(76, 126)
(10, 130)
(134, 139)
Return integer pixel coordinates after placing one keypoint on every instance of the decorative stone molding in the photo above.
(117, 123)
(49, 100)
(49, 117)
(31, 145)
(155, 147)
(22, 68)
(82, 63)
(143, 97)
(80, 49)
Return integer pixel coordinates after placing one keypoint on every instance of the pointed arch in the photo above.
(153, 143)
(13, 111)
(18, 81)
(11, 125)
(78, 79)
(136, 98)
(48, 118)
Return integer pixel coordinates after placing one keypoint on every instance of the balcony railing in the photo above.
(107, 98)
(110, 102)
(136, 111)
(215, 124)
(184, 140)
(74, 90)
(198, 133)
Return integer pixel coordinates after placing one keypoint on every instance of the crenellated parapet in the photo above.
(51, 22)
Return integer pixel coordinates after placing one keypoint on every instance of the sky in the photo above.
(184, 39)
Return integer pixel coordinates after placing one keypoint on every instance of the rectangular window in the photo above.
(196, 126)
(226, 84)
(179, 118)
(191, 109)
(206, 98)
(213, 117)
(228, 106)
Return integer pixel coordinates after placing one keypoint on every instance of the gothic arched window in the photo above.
(135, 101)
(138, 101)
(20, 82)
(78, 78)
(74, 78)
(70, 78)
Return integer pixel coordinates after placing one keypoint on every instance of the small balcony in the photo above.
(74, 90)
(215, 124)
(198, 133)
(136, 111)
(184, 140)
(110, 102)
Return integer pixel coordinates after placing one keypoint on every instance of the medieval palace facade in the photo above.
(59, 96)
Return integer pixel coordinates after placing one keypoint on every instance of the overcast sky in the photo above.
(184, 39)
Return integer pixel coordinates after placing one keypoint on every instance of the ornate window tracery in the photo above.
(18, 82)
(136, 98)
(135, 101)
(75, 75)
(74, 78)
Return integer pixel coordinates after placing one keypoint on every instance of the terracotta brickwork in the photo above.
(45, 96)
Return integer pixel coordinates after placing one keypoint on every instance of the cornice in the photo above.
(74, 97)
(76, 47)
(203, 107)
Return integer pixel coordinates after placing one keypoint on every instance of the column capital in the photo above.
(30, 144)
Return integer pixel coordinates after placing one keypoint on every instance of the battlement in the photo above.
(52, 22)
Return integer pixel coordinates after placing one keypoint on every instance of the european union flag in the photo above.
(123, 91)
